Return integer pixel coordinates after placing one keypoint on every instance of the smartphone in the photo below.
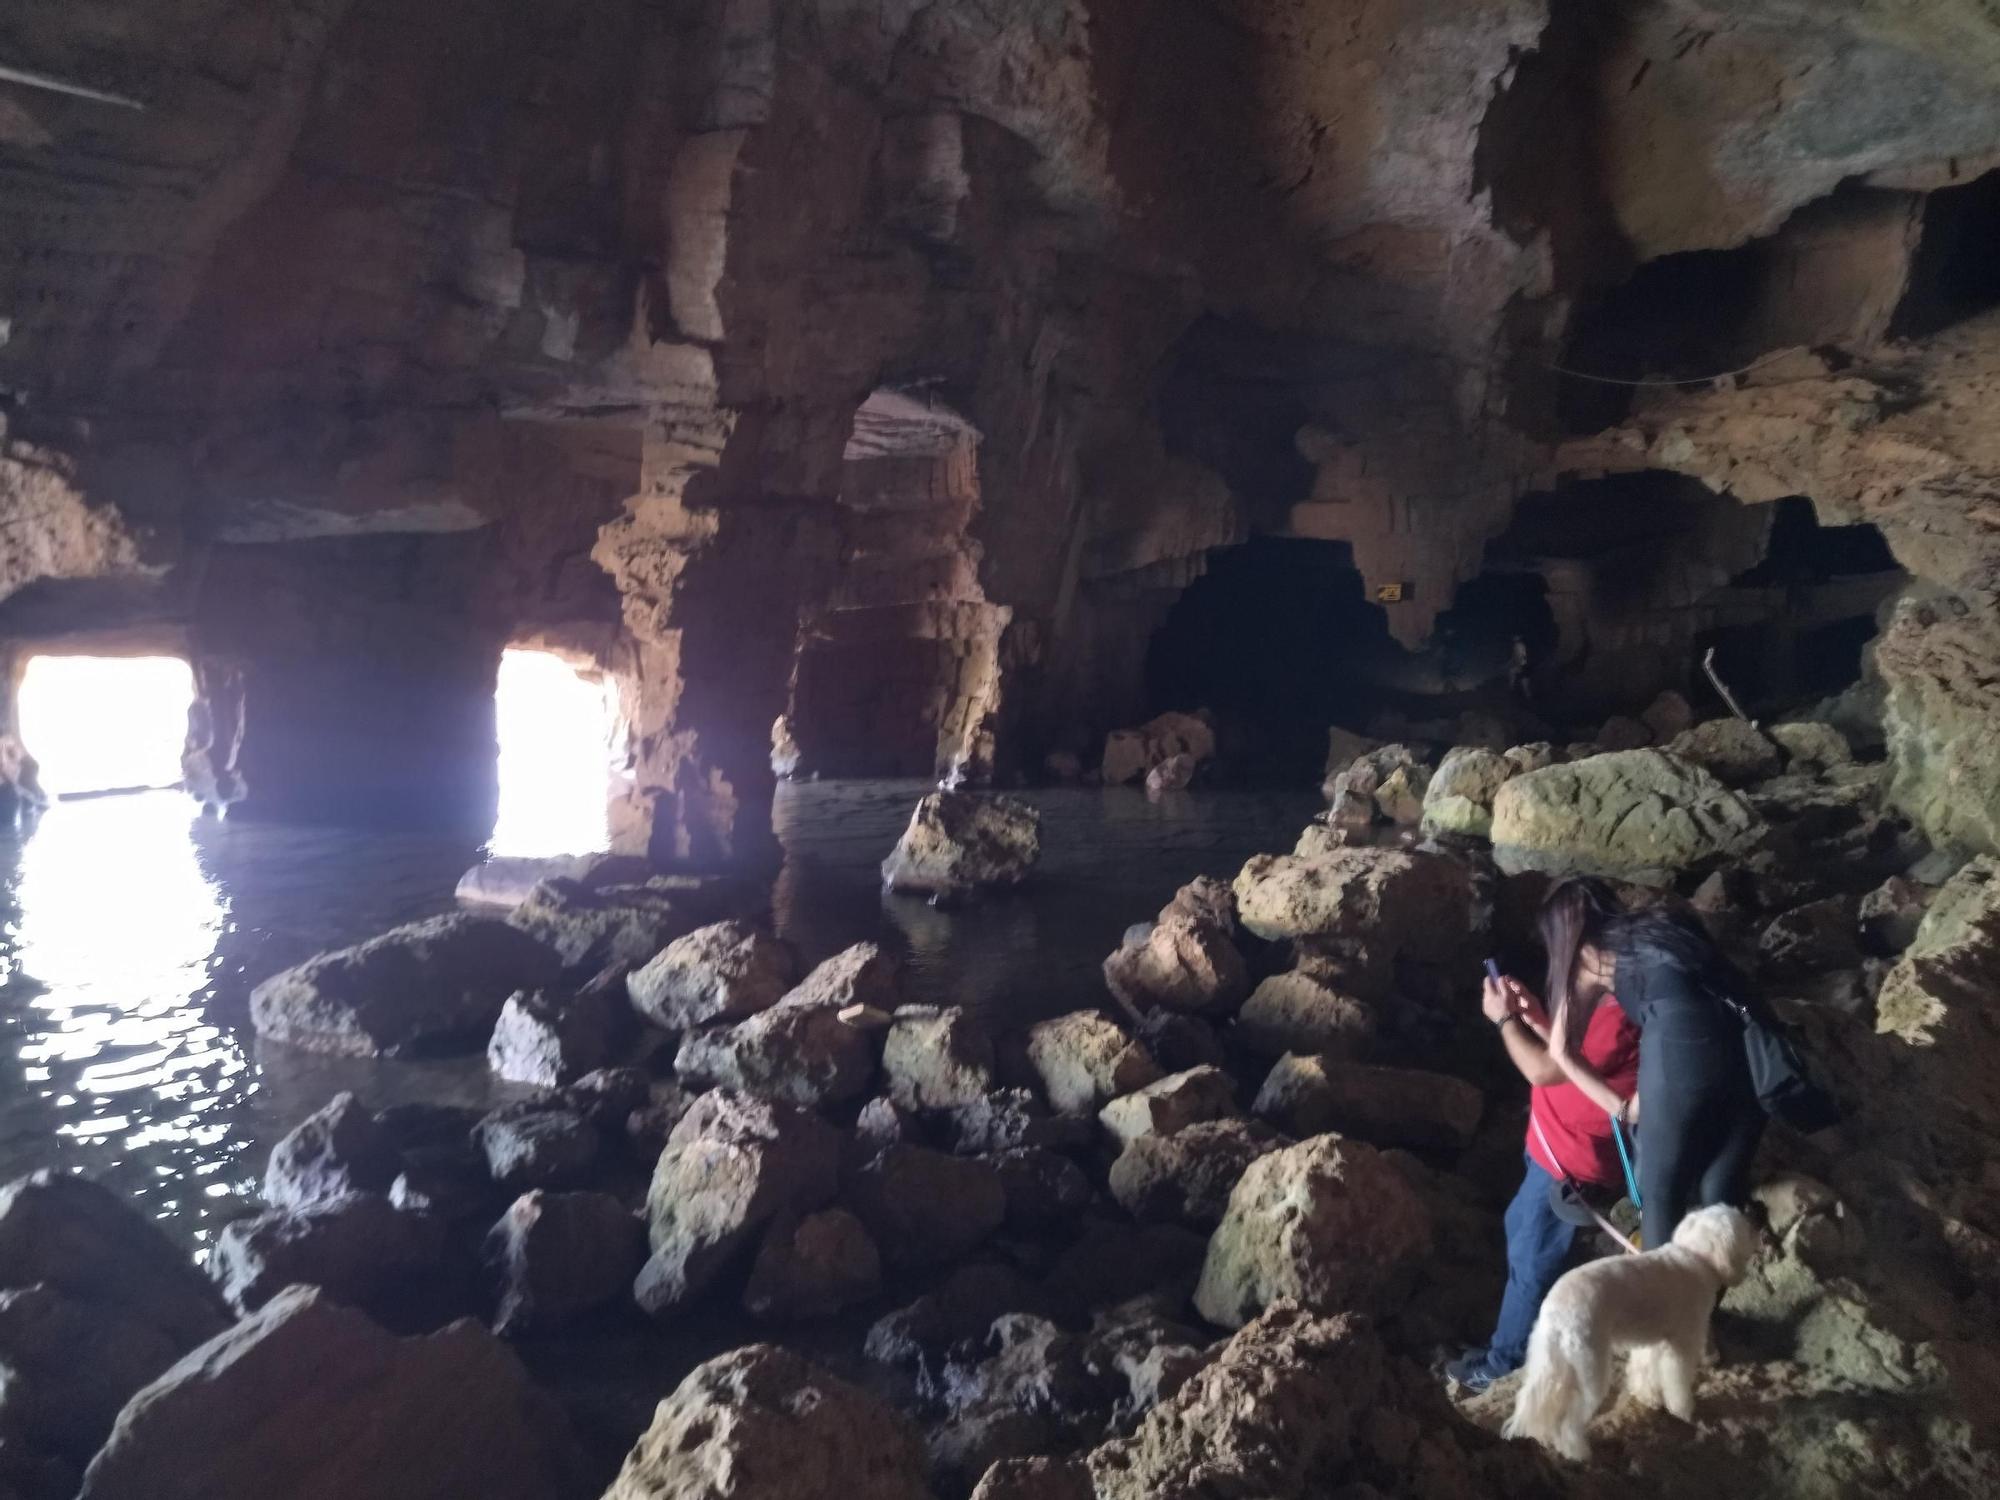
(1493, 970)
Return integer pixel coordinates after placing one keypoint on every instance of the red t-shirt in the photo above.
(1579, 1131)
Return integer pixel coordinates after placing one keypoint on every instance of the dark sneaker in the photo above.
(1473, 1372)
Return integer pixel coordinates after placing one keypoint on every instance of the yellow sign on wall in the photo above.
(1389, 593)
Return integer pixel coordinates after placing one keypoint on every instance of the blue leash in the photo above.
(1625, 1160)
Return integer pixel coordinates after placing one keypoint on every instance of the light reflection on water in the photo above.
(131, 932)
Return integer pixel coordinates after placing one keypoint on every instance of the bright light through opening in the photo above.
(105, 723)
(559, 734)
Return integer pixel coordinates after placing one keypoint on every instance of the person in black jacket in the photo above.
(1702, 1119)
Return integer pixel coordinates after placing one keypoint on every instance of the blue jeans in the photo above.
(1538, 1243)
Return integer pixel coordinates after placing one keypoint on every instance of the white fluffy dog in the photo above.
(1657, 1305)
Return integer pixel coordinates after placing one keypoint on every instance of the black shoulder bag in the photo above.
(1778, 1070)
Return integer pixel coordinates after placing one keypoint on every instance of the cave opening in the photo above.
(100, 724)
(561, 739)
(1955, 274)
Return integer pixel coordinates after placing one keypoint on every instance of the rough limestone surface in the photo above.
(556, 1256)
(813, 1267)
(924, 1207)
(362, 1249)
(803, 1054)
(1187, 1177)
(1891, 914)
(1296, 1012)
(760, 1423)
(958, 843)
(589, 927)
(1636, 815)
(1085, 1060)
(337, 1150)
(1734, 751)
(1400, 797)
(1306, 1095)
(731, 1166)
(1459, 798)
(1173, 1103)
(550, 1038)
(864, 974)
(1184, 963)
(1388, 896)
(1130, 754)
(428, 985)
(1327, 1223)
(1811, 744)
(723, 972)
(936, 1058)
(310, 1400)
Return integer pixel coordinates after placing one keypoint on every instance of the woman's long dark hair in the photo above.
(1583, 909)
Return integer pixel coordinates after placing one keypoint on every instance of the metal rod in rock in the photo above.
(1715, 681)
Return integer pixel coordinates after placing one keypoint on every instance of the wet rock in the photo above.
(1007, 1119)
(1044, 1190)
(451, 1183)
(1185, 963)
(760, 1423)
(1326, 1223)
(1295, 1012)
(1891, 914)
(1174, 774)
(925, 1207)
(536, 1146)
(1667, 715)
(936, 1058)
(1085, 1060)
(362, 1249)
(1387, 896)
(1187, 1177)
(813, 1267)
(558, 1256)
(508, 880)
(607, 1096)
(953, 1319)
(1459, 798)
(722, 972)
(589, 929)
(1621, 732)
(1812, 938)
(732, 1165)
(1639, 816)
(652, 1122)
(550, 1038)
(1308, 1095)
(864, 974)
(958, 843)
(1180, 1042)
(1132, 753)
(426, 986)
(309, 1399)
(803, 1054)
(338, 1150)
(1273, 1415)
(1170, 1104)
(1733, 751)
(1819, 746)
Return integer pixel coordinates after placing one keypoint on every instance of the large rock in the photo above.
(723, 972)
(1296, 1012)
(1187, 1177)
(1187, 960)
(1942, 700)
(1812, 744)
(924, 1207)
(1942, 999)
(803, 1054)
(309, 1400)
(813, 1267)
(1309, 1095)
(427, 986)
(1459, 798)
(1170, 1104)
(554, 1257)
(936, 1058)
(337, 1150)
(1327, 1223)
(1130, 754)
(1085, 1060)
(536, 1145)
(958, 842)
(506, 881)
(1733, 751)
(362, 1249)
(591, 928)
(865, 974)
(732, 1165)
(552, 1037)
(1638, 815)
(760, 1423)
(1013, 1119)
(1390, 897)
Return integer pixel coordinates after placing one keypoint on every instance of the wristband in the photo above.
(1501, 1024)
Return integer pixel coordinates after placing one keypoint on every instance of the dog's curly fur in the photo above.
(1657, 1305)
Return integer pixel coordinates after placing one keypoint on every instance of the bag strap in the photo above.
(1570, 1182)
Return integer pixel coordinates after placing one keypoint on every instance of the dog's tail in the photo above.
(1549, 1406)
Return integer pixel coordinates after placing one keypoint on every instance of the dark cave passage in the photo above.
(1955, 273)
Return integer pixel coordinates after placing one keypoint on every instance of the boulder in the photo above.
(451, 1182)
(1174, 774)
(1036, 1479)
(362, 1249)
(1187, 1177)
(936, 1058)
(760, 1423)
(803, 1054)
(1891, 914)
(925, 1207)
(607, 1096)
(1639, 816)
(428, 986)
(1459, 798)
(732, 1165)
(1811, 938)
(1170, 1104)
(865, 974)
(592, 928)
(813, 1267)
(310, 1400)
(952, 1320)
(555, 1257)
(1813, 745)
(1180, 1042)
(1537, 755)
(1131, 753)
(1733, 751)
(653, 1119)
(71, 1365)
(1389, 897)
(337, 1150)
(1620, 732)
(1296, 1012)
(1045, 1190)
(958, 842)
(1327, 1223)
(883, 1122)
(551, 1038)
(1184, 963)
(1944, 990)
(1400, 797)
(1085, 1060)
(536, 1146)
(1308, 1095)
(1010, 1119)
(1667, 715)
(723, 972)
(507, 880)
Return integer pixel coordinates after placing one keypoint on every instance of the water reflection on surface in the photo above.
(134, 931)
